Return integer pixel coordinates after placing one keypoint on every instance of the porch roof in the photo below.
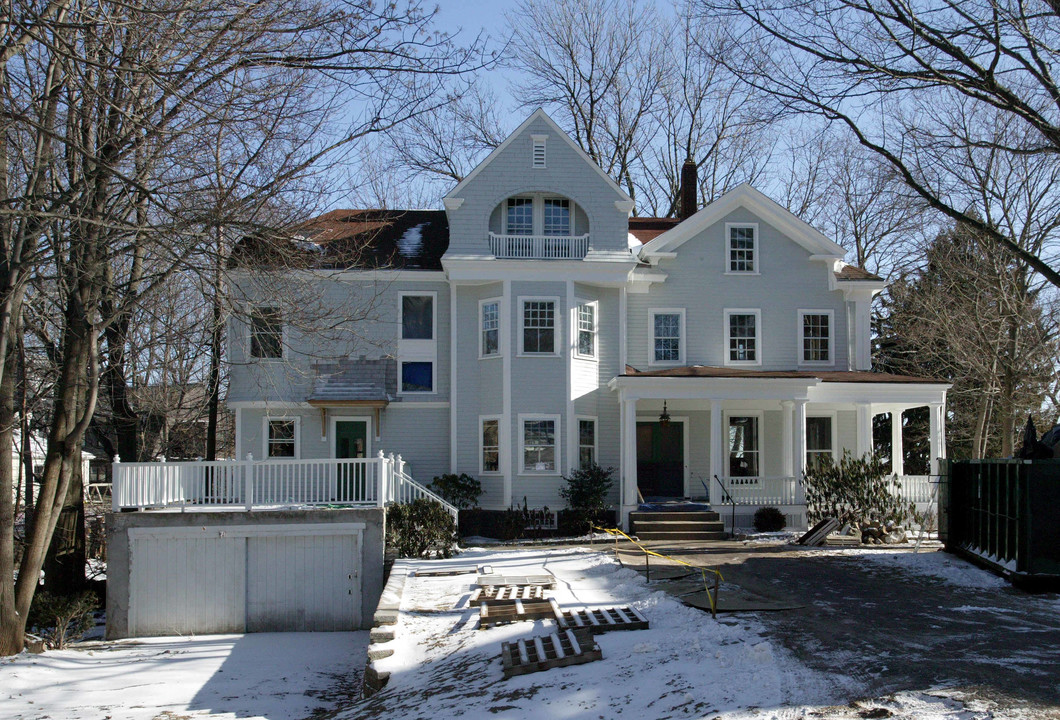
(828, 376)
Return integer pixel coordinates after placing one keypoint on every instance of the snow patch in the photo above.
(411, 241)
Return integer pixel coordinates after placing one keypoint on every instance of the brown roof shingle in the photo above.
(830, 376)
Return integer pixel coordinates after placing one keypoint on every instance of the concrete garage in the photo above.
(175, 573)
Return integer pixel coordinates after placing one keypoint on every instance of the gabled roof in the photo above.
(538, 114)
(745, 196)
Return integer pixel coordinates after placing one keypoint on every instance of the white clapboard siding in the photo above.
(187, 585)
(303, 584)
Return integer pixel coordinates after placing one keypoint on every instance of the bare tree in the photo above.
(891, 72)
(106, 107)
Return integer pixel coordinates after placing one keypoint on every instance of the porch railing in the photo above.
(539, 247)
(788, 491)
(253, 483)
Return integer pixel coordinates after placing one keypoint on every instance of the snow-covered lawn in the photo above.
(268, 675)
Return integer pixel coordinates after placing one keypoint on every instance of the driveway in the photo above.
(891, 620)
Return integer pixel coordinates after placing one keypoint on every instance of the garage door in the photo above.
(264, 578)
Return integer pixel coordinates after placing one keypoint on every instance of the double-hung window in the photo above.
(539, 326)
(489, 328)
(743, 337)
(491, 445)
(266, 333)
(519, 217)
(819, 446)
(815, 337)
(743, 446)
(667, 336)
(586, 442)
(742, 248)
(586, 346)
(417, 347)
(557, 216)
(281, 438)
(540, 441)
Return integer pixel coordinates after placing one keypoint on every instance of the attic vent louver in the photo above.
(539, 150)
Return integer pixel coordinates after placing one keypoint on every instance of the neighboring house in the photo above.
(533, 326)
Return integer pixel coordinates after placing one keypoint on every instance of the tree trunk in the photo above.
(12, 625)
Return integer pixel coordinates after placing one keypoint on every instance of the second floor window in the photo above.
(519, 218)
(587, 330)
(417, 317)
(557, 216)
(816, 335)
(742, 249)
(266, 333)
(743, 337)
(667, 337)
(491, 328)
(539, 327)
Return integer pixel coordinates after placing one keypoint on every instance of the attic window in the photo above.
(539, 150)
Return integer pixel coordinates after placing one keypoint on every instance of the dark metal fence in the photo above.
(1006, 514)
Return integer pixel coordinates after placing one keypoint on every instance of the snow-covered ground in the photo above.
(687, 665)
(267, 675)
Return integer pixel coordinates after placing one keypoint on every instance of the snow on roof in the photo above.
(411, 241)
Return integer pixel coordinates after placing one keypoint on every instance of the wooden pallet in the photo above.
(494, 613)
(599, 620)
(506, 594)
(560, 649)
(548, 581)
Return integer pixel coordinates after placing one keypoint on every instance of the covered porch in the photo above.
(745, 438)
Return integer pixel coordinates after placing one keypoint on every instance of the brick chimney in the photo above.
(689, 188)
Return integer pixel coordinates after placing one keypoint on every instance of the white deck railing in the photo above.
(250, 483)
(539, 247)
(787, 491)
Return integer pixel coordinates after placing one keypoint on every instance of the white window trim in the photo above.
(434, 313)
(481, 465)
(522, 445)
(418, 350)
(557, 330)
(333, 420)
(541, 140)
(682, 346)
(576, 324)
(500, 328)
(835, 428)
(596, 438)
(754, 250)
(757, 312)
(800, 330)
(726, 416)
(250, 334)
(265, 435)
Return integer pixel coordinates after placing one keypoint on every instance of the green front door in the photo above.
(351, 441)
(661, 460)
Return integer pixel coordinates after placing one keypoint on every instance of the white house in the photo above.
(534, 326)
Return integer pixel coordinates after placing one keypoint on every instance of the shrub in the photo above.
(586, 494)
(854, 491)
(62, 619)
(420, 529)
(769, 519)
(461, 490)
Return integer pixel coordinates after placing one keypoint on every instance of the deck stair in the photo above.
(677, 525)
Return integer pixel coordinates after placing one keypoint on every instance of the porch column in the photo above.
(717, 447)
(787, 440)
(629, 458)
(897, 451)
(936, 438)
(864, 429)
(798, 437)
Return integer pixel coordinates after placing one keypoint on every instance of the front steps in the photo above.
(671, 525)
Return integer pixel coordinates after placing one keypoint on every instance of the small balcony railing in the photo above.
(539, 247)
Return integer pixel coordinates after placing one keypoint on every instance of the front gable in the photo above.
(537, 159)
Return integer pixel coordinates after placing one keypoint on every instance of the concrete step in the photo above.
(696, 516)
(642, 526)
(680, 535)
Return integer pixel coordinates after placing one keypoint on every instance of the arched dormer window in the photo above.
(539, 225)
